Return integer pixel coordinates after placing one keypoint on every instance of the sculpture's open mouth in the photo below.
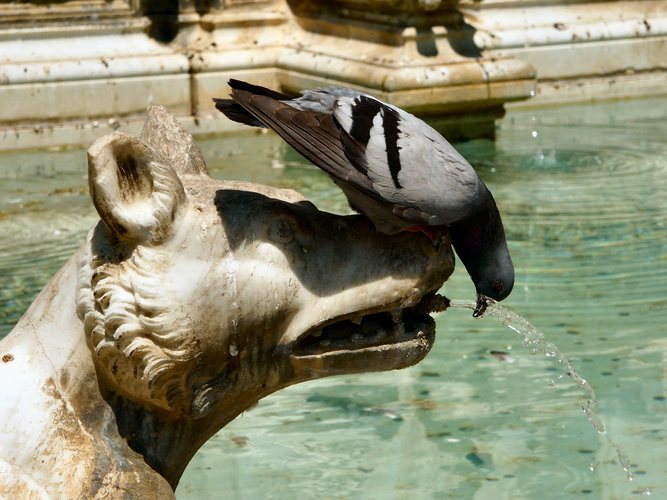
(373, 330)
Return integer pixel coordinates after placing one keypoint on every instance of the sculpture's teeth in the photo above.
(397, 320)
(395, 316)
(316, 333)
(357, 319)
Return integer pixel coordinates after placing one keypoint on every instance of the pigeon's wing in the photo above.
(391, 165)
(410, 165)
(234, 111)
(314, 134)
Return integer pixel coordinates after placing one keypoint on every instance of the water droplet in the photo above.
(534, 134)
(531, 93)
(233, 351)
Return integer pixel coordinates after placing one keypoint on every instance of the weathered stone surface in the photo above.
(60, 73)
(63, 64)
(191, 300)
(581, 51)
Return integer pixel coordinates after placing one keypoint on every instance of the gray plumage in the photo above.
(392, 167)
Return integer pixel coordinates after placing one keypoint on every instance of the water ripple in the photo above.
(581, 190)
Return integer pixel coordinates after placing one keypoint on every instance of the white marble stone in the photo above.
(188, 302)
(581, 51)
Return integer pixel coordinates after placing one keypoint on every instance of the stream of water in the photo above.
(536, 341)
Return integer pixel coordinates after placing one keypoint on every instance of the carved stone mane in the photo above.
(188, 302)
(141, 343)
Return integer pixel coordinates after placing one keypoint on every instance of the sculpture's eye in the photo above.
(281, 230)
(498, 286)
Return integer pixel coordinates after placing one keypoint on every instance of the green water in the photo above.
(582, 192)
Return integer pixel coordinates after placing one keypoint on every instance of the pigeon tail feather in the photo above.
(236, 113)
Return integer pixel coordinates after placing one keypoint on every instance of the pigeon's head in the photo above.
(480, 243)
(494, 278)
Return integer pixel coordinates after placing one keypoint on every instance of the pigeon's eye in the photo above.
(498, 286)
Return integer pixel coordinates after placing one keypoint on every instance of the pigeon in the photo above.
(393, 168)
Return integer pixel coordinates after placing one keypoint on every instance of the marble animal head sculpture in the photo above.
(188, 302)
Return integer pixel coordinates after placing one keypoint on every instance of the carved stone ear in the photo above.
(163, 133)
(136, 194)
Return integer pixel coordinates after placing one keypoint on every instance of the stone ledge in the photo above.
(58, 75)
(581, 50)
(433, 58)
(591, 89)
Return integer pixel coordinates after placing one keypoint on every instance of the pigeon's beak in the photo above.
(482, 304)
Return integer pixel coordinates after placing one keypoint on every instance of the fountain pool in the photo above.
(581, 189)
